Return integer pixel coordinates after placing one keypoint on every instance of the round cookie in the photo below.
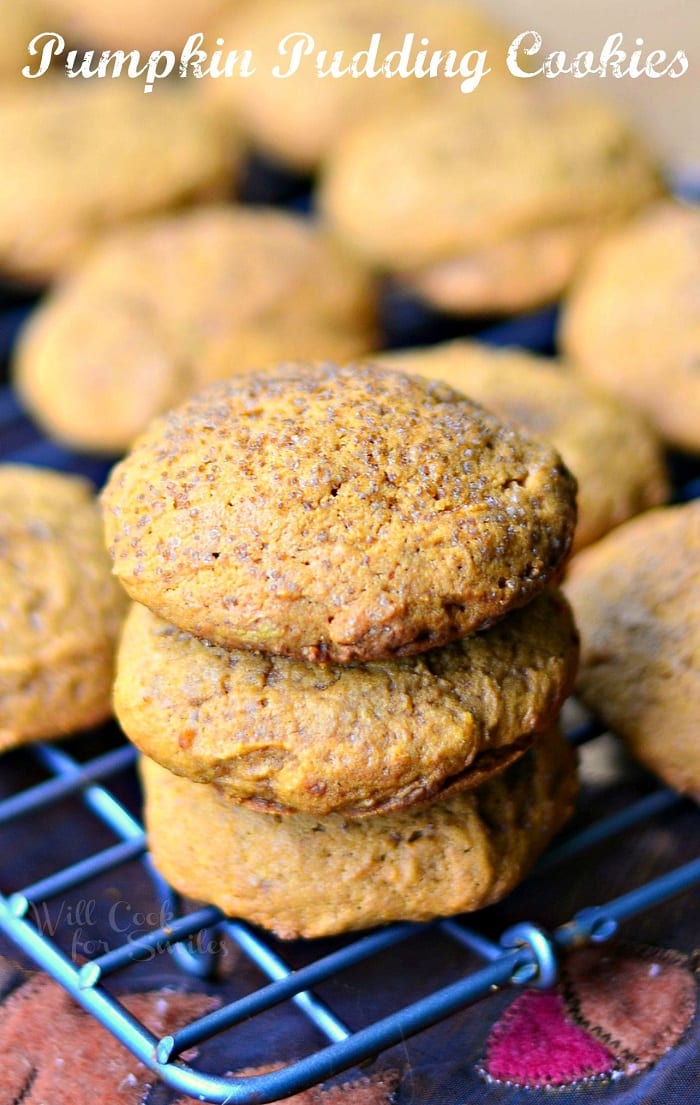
(615, 457)
(298, 119)
(163, 308)
(632, 321)
(328, 513)
(284, 734)
(21, 21)
(135, 25)
(60, 609)
(636, 596)
(305, 876)
(82, 160)
(485, 205)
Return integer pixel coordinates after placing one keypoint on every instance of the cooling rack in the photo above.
(525, 953)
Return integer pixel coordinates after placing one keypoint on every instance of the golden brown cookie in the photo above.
(21, 21)
(632, 322)
(329, 513)
(613, 454)
(485, 204)
(160, 309)
(636, 596)
(60, 609)
(304, 876)
(284, 734)
(138, 25)
(83, 158)
(298, 118)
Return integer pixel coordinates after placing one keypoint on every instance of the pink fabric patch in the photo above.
(535, 1044)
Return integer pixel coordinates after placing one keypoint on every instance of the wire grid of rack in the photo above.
(525, 953)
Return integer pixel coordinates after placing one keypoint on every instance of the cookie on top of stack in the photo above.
(346, 658)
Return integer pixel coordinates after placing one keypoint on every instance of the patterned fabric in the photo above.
(616, 1011)
(56, 1054)
(377, 1090)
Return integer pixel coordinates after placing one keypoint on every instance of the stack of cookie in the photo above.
(345, 662)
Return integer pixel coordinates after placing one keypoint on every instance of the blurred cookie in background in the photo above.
(636, 596)
(632, 321)
(297, 119)
(21, 21)
(485, 204)
(163, 308)
(614, 455)
(135, 24)
(82, 158)
(60, 608)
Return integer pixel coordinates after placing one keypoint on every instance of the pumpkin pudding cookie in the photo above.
(632, 322)
(485, 205)
(297, 120)
(60, 610)
(79, 161)
(636, 596)
(282, 734)
(161, 309)
(304, 876)
(330, 513)
(594, 433)
(135, 25)
(21, 21)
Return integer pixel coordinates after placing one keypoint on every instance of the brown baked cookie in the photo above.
(21, 21)
(299, 118)
(305, 876)
(284, 734)
(485, 204)
(615, 457)
(160, 309)
(81, 159)
(636, 596)
(329, 513)
(60, 610)
(632, 322)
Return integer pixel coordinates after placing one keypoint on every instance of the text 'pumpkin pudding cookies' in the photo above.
(161, 309)
(60, 609)
(485, 204)
(344, 514)
(636, 597)
(80, 161)
(282, 734)
(304, 876)
(594, 433)
(632, 322)
(298, 119)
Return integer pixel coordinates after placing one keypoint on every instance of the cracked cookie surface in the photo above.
(329, 513)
